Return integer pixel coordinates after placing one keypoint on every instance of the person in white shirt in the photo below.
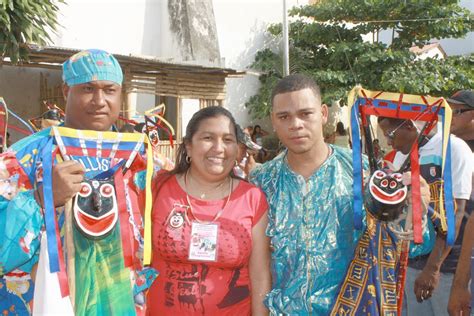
(427, 276)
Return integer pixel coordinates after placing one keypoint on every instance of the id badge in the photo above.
(203, 242)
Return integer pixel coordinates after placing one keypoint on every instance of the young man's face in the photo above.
(298, 118)
(94, 105)
(401, 137)
(463, 115)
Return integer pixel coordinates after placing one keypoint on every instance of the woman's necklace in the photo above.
(191, 208)
(204, 194)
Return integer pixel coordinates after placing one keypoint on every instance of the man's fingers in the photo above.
(76, 187)
(418, 294)
(76, 178)
(70, 167)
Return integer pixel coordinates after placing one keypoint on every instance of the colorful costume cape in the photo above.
(404, 106)
(104, 267)
(375, 279)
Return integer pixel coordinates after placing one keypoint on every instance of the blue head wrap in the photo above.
(91, 65)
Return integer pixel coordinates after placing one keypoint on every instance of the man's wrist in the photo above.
(432, 267)
(461, 278)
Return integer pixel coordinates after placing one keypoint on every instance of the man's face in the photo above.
(461, 120)
(298, 118)
(94, 105)
(403, 137)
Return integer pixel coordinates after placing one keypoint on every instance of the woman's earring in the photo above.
(188, 159)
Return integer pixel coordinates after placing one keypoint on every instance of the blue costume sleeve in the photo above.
(20, 227)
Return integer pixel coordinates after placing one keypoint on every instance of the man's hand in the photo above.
(459, 301)
(67, 178)
(426, 282)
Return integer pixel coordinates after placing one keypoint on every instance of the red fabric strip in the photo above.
(416, 195)
(123, 216)
(402, 275)
(92, 152)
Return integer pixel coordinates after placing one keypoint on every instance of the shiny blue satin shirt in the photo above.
(312, 232)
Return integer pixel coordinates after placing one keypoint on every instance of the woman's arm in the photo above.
(259, 266)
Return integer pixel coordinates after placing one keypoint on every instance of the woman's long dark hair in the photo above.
(181, 165)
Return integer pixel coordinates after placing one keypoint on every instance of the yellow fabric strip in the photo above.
(148, 201)
(446, 130)
(351, 98)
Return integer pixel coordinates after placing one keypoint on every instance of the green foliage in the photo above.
(326, 43)
(25, 22)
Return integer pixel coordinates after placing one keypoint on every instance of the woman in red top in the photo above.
(209, 243)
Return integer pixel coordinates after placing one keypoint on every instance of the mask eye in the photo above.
(106, 190)
(384, 183)
(154, 135)
(393, 184)
(85, 189)
(379, 174)
(397, 176)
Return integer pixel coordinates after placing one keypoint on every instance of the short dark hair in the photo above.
(296, 82)
(209, 112)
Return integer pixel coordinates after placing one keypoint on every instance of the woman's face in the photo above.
(213, 149)
(257, 129)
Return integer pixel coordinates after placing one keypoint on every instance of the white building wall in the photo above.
(241, 28)
(114, 25)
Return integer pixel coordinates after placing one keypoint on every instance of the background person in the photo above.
(341, 137)
(460, 299)
(462, 125)
(257, 137)
(209, 240)
(247, 149)
(427, 277)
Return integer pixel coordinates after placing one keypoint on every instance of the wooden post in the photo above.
(128, 104)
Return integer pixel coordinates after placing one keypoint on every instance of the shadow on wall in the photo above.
(181, 30)
(239, 90)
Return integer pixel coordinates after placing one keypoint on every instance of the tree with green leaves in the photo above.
(327, 43)
(24, 22)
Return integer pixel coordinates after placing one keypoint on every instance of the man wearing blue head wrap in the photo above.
(92, 89)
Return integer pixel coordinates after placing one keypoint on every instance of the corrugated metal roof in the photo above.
(53, 55)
